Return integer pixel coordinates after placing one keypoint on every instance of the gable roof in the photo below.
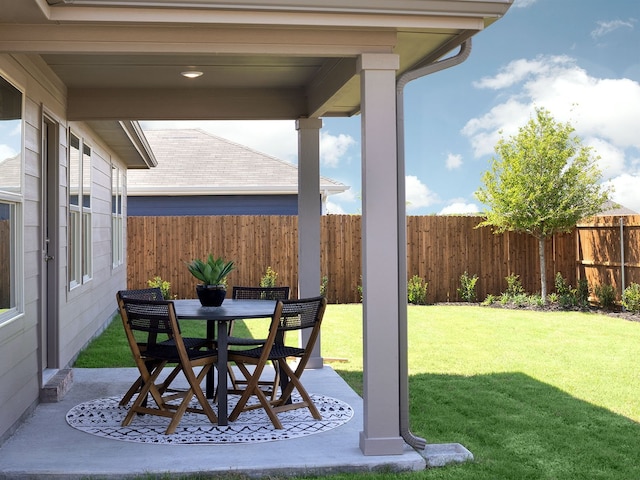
(612, 208)
(194, 162)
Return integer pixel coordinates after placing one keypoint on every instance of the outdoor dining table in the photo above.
(230, 310)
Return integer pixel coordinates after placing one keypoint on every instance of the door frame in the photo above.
(50, 227)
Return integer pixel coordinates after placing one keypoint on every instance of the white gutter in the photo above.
(461, 56)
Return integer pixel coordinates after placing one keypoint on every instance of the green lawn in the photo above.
(533, 395)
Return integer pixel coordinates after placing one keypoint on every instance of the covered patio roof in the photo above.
(120, 61)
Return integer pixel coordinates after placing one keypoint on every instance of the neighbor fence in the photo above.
(439, 250)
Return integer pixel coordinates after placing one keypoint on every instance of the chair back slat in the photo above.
(149, 321)
(260, 293)
(153, 293)
(300, 314)
(148, 317)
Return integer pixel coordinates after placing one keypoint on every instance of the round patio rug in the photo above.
(103, 417)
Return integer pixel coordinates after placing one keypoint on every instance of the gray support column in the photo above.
(381, 388)
(309, 212)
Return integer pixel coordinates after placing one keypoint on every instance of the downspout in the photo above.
(461, 56)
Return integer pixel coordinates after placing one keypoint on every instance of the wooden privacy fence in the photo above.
(609, 251)
(439, 250)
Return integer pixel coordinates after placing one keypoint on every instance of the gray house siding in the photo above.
(82, 312)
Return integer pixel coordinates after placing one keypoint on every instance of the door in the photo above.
(49, 303)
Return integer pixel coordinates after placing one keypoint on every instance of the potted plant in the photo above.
(213, 275)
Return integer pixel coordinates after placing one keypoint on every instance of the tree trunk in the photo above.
(543, 270)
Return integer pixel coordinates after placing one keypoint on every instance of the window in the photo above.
(117, 226)
(10, 200)
(80, 241)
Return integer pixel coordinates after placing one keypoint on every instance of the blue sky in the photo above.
(580, 59)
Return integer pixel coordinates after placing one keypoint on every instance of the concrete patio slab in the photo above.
(46, 447)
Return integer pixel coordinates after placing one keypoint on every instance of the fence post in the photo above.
(622, 281)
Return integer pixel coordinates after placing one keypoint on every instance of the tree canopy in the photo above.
(542, 181)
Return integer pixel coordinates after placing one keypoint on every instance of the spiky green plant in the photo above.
(211, 272)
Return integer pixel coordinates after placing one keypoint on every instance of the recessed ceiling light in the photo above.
(191, 73)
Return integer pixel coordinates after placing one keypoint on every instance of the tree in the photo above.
(542, 182)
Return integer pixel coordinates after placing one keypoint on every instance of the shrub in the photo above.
(567, 300)
(536, 300)
(631, 298)
(514, 286)
(467, 290)
(552, 297)
(490, 300)
(417, 290)
(562, 286)
(323, 285)
(582, 295)
(163, 285)
(520, 300)
(269, 278)
(505, 298)
(569, 297)
(606, 295)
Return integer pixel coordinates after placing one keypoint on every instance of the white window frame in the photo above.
(117, 217)
(16, 307)
(80, 214)
(15, 200)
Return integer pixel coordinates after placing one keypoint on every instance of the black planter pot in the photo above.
(211, 295)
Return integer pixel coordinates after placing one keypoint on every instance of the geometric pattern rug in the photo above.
(103, 416)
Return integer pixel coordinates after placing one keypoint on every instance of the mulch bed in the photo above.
(618, 312)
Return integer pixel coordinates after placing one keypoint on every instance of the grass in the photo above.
(534, 395)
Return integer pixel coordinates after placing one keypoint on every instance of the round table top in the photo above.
(229, 310)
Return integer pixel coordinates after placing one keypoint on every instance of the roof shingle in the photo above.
(194, 162)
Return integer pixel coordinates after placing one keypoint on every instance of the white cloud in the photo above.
(418, 194)
(344, 202)
(518, 70)
(459, 208)
(334, 209)
(333, 148)
(504, 119)
(347, 196)
(605, 109)
(523, 3)
(612, 159)
(605, 28)
(7, 152)
(453, 161)
(626, 191)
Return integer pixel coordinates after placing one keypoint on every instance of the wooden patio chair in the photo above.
(156, 321)
(155, 293)
(290, 315)
(254, 293)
